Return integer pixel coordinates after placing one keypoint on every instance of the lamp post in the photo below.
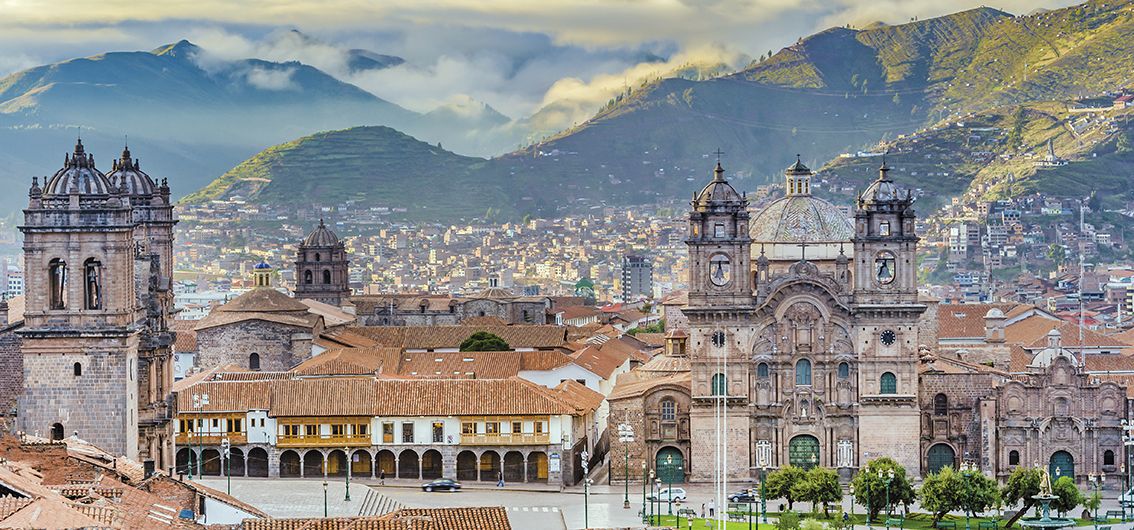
(763, 492)
(869, 499)
(226, 446)
(669, 483)
(889, 479)
(967, 469)
(586, 488)
(1127, 441)
(645, 480)
(324, 498)
(626, 436)
(657, 483)
(851, 488)
(346, 456)
(1096, 481)
(750, 494)
(653, 495)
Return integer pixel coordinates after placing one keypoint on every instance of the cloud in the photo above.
(271, 79)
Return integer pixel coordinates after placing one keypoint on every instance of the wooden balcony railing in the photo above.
(186, 439)
(323, 440)
(506, 439)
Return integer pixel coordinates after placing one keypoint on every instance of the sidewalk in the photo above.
(465, 485)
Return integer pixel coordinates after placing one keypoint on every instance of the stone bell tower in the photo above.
(719, 246)
(887, 310)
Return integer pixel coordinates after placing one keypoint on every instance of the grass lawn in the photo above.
(916, 521)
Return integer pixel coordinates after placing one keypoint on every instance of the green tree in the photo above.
(780, 483)
(1023, 484)
(978, 492)
(939, 493)
(484, 341)
(1092, 503)
(1068, 495)
(870, 486)
(820, 486)
(1057, 253)
(788, 521)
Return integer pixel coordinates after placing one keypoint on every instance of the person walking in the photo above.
(500, 480)
(382, 477)
(712, 508)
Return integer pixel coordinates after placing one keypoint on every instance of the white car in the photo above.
(669, 495)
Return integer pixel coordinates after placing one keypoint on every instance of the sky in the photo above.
(515, 55)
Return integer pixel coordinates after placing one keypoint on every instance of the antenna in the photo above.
(1082, 352)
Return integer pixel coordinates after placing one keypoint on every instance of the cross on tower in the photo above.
(718, 152)
(802, 251)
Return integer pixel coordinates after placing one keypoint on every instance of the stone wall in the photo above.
(891, 431)
(11, 371)
(234, 343)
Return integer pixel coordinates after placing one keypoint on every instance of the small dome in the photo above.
(127, 173)
(321, 237)
(263, 265)
(717, 191)
(78, 175)
(994, 313)
(882, 189)
(799, 219)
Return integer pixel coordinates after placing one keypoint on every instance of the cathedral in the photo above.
(98, 257)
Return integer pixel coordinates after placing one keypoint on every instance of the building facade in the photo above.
(637, 278)
(322, 271)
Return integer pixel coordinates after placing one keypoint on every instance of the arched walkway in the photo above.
(670, 464)
(513, 466)
(431, 466)
(211, 460)
(290, 464)
(258, 463)
(186, 460)
(939, 456)
(1062, 464)
(361, 464)
(537, 466)
(489, 466)
(313, 464)
(466, 465)
(235, 462)
(336, 464)
(408, 466)
(803, 451)
(386, 464)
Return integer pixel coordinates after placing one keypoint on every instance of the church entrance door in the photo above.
(670, 465)
(803, 451)
(1062, 465)
(941, 455)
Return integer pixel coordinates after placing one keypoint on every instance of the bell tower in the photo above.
(719, 246)
(885, 244)
(322, 271)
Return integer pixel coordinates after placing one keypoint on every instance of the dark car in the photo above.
(744, 496)
(441, 484)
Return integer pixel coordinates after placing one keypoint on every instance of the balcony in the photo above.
(188, 438)
(506, 439)
(323, 440)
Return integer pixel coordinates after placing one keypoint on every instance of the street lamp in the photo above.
(586, 488)
(763, 492)
(869, 499)
(851, 487)
(1097, 482)
(669, 483)
(324, 498)
(652, 497)
(889, 479)
(657, 483)
(626, 436)
(226, 446)
(644, 481)
(750, 493)
(346, 456)
(967, 470)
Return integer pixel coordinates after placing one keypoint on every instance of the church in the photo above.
(804, 341)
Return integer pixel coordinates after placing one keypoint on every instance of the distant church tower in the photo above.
(719, 246)
(322, 270)
(887, 310)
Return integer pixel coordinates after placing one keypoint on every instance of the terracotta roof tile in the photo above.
(634, 387)
(226, 396)
(439, 337)
(323, 397)
(263, 300)
(347, 361)
(956, 321)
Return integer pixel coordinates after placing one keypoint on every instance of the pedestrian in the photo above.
(500, 481)
(712, 508)
(382, 477)
(702, 510)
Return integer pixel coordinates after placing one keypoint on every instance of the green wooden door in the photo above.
(941, 455)
(670, 465)
(803, 451)
(1062, 465)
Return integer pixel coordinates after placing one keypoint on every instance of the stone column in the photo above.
(525, 467)
(449, 461)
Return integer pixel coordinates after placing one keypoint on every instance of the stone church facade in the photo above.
(94, 347)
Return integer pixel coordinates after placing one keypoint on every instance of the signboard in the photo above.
(553, 463)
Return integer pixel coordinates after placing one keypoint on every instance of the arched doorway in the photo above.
(939, 456)
(361, 464)
(211, 460)
(386, 463)
(489, 466)
(466, 465)
(431, 466)
(313, 464)
(670, 464)
(408, 466)
(235, 462)
(1062, 464)
(290, 464)
(513, 466)
(254, 361)
(336, 464)
(537, 466)
(185, 461)
(57, 431)
(258, 463)
(803, 451)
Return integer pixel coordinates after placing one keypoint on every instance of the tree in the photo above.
(1023, 484)
(870, 486)
(978, 492)
(484, 341)
(1092, 503)
(939, 493)
(780, 482)
(820, 486)
(1068, 495)
(1057, 253)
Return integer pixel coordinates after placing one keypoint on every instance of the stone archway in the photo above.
(186, 460)
(670, 464)
(1062, 464)
(537, 466)
(803, 451)
(235, 462)
(211, 462)
(258, 462)
(290, 464)
(513, 466)
(361, 464)
(313, 464)
(336, 463)
(386, 464)
(431, 465)
(489, 466)
(408, 465)
(466, 465)
(939, 456)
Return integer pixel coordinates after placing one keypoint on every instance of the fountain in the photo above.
(1044, 499)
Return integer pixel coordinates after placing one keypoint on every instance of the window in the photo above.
(308, 278)
(888, 384)
(338, 430)
(719, 230)
(1013, 458)
(1108, 458)
(940, 405)
(254, 361)
(438, 432)
(216, 423)
(318, 257)
(326, 276)
(517, 427)
(92, 280)
(77, 369)
(57, 431)
(311, 430)
(668, 410)
(291, 430)
(538, 427)
(467, 427)
(719, 385)
(186, 426)
(233, 425)
(407, 433)
(492, 427)
(762, 370)
(361, 429)
(57, 281)
(844, 370)
(388, 433)
(803, 372)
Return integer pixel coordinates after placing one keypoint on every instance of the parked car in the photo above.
(441, 484)
(744, 496)
(669, 495)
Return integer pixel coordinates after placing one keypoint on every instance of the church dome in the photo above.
(127, 173)
(321, 237)
(882, 189)
(717, 192)
(800, 218)
(263, 265)
(78, 175)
